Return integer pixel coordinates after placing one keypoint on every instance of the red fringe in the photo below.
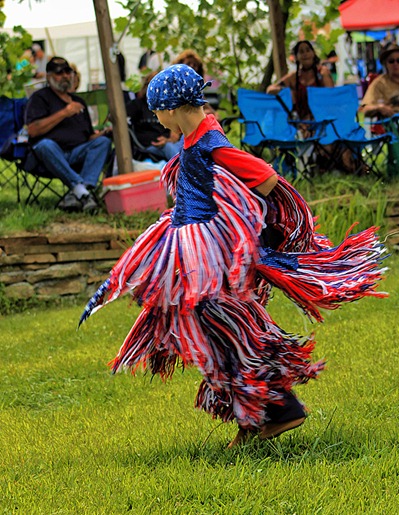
(326, 279)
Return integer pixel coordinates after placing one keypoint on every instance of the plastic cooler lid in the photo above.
(132, 178)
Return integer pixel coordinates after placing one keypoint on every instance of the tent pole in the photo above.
(50, 41)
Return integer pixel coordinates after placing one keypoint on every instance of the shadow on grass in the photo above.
(334, 445)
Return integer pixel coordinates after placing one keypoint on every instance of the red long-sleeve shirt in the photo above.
(251, 170)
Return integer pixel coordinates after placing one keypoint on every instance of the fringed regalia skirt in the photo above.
(202, 287)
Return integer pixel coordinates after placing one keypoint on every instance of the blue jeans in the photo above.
(89, 158)
(168, 150)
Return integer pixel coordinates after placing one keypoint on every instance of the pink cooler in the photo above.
(133, 192)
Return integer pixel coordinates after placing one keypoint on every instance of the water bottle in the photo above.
(23, 135)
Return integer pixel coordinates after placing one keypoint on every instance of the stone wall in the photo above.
(65, 260)
(74, 259)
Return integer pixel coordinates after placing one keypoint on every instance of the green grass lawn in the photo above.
(76, 440)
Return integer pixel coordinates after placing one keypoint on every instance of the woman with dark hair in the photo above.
(309, 72)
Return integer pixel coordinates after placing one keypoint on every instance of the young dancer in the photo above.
(203, 272)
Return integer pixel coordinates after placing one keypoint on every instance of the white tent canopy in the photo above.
(79, 44)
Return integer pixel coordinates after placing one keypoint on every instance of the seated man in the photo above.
(62, 137)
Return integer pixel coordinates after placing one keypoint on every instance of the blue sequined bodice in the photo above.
(194, 200)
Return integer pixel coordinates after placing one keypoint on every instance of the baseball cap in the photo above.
(58, 64)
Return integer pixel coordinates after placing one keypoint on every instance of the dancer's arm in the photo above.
(251, 170)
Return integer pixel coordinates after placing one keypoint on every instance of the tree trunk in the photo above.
(278, 37)
(278, 13)
(268, 74)
(114, 89)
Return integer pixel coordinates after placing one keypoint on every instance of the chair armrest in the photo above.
(226, 122)
(252, 122)
(135, 140)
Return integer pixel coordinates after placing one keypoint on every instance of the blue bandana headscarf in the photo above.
(174, 87)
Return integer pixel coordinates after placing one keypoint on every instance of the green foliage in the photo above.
(76, 440)
(13, 76)
(348, 201)
(134, 82)
(231, 37)
(322, 15)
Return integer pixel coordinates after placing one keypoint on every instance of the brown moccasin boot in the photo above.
(273, 429)
(241, 437)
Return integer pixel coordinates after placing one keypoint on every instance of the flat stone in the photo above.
(17, 276)
(21, 290)
(61, 287)
(23, 240)
(58, 272)
(103, 266)
(88, 255)
(53, 248)
(39, 258)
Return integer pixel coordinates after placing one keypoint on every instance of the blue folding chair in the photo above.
(18, 165)
(265, 123)
(339, 106)
(11, 121)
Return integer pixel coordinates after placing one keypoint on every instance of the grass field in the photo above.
(76, 440)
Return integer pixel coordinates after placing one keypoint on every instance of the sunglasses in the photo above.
(391, 61)
(65, 70)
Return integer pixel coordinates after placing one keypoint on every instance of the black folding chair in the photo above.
(139, 151)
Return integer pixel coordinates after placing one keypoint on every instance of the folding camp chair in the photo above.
(265, 123)
(11, 121)
(18, 166)
(339, 106)
(97, 104)
(139, 151)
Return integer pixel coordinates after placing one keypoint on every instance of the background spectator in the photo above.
(127, 95)
(150, 60)
(309, 72)
(39, 61)
(150, 133)
(76, 77)
(25, 60)
(382, 96)
(192, 59)
(62, 137)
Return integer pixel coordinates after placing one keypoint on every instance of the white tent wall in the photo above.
(79, 44)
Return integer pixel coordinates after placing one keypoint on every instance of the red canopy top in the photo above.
(369, 14)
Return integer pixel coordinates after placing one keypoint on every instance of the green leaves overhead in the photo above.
(231, 37)
(14, 73)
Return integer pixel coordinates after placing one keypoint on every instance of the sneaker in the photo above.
(89, 203)
(70, 203)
